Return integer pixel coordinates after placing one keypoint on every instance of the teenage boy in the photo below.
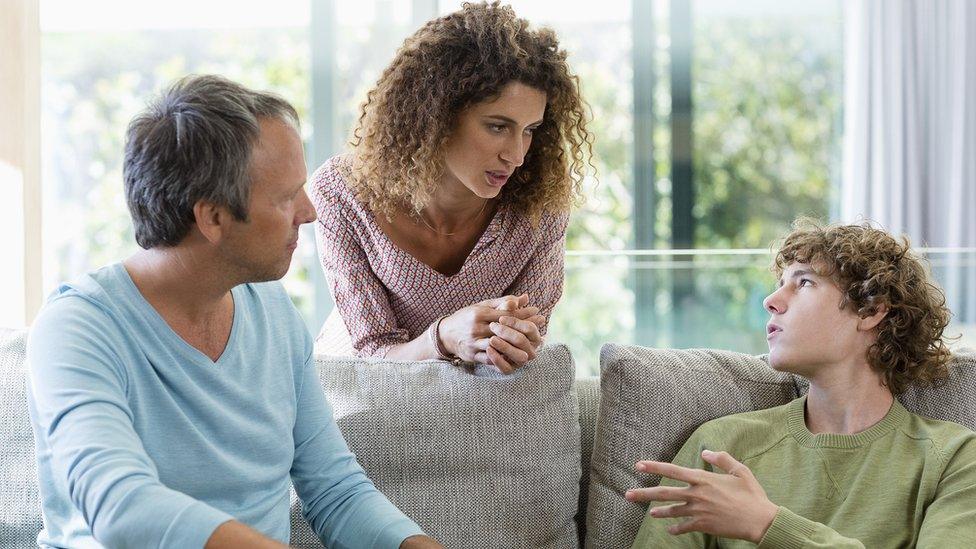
(857, 315)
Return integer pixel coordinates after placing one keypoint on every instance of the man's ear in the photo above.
(211, 220)
(871, 322)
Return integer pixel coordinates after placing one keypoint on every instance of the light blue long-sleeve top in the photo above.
(144, 441)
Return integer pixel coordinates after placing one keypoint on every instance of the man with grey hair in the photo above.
(173, 395)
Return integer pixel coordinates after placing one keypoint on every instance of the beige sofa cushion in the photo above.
(479, 460)
(651, 402)
(588, 393)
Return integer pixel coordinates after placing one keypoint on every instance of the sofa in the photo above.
(478, 459)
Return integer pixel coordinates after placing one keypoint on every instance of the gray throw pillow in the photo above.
(651, 401)
(477, 459)
(951, 400)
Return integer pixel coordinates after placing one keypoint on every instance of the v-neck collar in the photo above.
(159, 325)
(489, 235)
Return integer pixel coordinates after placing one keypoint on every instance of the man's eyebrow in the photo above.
(509, 120)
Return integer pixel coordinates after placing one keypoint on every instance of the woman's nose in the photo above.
(514, 153)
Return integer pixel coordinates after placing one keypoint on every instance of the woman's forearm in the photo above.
(420, 348)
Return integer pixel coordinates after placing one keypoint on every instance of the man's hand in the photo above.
(420, 542)
(731, 505)
(237, 535)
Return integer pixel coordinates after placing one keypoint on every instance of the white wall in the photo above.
(20, 196)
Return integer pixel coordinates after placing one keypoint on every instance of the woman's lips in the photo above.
(497, 179)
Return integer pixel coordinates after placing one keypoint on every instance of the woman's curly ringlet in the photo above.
(874, 269)
(451, 63)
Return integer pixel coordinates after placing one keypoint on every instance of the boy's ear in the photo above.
(211, 220)
(871, 322)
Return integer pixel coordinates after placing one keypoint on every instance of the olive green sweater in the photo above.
(907, 481)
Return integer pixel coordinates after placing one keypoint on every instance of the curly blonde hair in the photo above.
(451, 63)
(874, 269)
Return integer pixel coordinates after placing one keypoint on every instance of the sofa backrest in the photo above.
(20, 516)
(20, 507)
(588, 392)
(955, 400)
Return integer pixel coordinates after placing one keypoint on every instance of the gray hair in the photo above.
(193, 143)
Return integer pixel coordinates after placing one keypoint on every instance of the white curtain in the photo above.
(909, 157)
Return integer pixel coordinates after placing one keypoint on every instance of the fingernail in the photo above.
(493, 325)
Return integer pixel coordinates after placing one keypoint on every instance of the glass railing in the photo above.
(703, 298)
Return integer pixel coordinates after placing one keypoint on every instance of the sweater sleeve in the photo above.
(791, 531)
(542, 277)
(359, 295)
(340, 503)
(81, 415)
(950, 517)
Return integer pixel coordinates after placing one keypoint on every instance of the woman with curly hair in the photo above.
(442, 231)
(846, 465)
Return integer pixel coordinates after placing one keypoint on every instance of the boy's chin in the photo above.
(780, 364)
(786, 366)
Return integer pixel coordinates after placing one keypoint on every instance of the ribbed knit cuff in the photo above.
(788, 531)
(392, 535)
(194, 525)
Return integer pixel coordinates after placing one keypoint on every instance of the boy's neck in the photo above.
(846, 399)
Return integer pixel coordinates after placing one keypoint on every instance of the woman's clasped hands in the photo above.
(503, 332)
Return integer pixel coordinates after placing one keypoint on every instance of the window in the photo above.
(707, 115)
(100, 62)
(352, 42)
(716, 125)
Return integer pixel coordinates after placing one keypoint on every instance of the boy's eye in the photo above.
(497, 128)
(805, 282)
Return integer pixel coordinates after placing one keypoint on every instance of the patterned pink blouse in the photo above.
(386, 296)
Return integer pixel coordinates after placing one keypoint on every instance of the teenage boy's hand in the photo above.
(731, 505)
